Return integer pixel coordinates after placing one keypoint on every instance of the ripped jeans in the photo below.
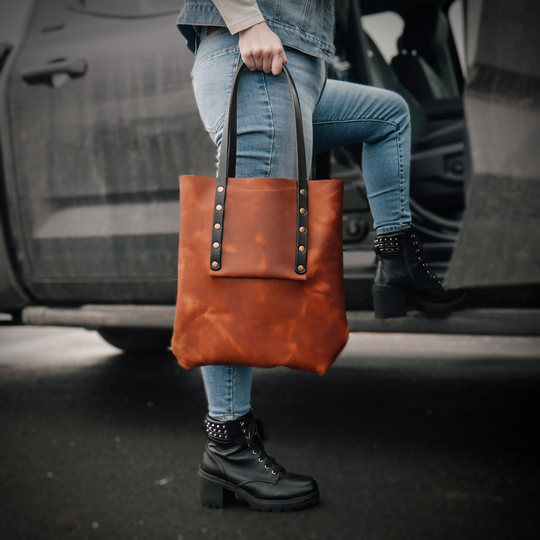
(335, 113)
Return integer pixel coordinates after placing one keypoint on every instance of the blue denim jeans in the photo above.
(335, 113)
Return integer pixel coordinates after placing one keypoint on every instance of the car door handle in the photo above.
(71, 67)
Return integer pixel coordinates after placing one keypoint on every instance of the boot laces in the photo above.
(420, 256)
(250, 429)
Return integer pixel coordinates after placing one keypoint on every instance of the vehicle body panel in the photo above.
(98, 155)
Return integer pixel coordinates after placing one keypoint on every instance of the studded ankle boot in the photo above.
(235, 462)
(404, 279)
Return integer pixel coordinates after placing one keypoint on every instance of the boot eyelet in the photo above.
(254, 452)
(259, 460)
(266, 467)
(274, 472)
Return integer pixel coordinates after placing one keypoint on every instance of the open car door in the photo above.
(499, 239)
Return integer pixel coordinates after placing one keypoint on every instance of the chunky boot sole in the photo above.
(391, 302)
(215, 492)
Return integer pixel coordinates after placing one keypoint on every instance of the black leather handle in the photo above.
(227, 168)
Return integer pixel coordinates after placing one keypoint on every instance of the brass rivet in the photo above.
(302, 229)
(300, 268)
(216, 244)
(215, 264)
(217, 226)
(302, 192)
(301, 249)
(219, 207)
(302, 210)
(220, 189)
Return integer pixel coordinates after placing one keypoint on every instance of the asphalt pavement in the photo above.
(409, 436)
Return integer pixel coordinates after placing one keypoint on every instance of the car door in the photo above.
(103, 120)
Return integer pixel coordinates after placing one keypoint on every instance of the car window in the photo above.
(125, 8)
(384, 29)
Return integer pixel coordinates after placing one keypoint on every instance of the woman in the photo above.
(266, 34)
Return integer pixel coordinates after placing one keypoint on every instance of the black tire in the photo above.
(138, 341)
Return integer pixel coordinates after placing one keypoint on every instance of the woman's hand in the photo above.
(262, 49)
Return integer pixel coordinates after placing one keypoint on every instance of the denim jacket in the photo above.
(307, 25)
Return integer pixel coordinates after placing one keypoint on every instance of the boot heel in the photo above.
(389, 303)
(214, 495)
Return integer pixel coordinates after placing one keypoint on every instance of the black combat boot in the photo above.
(235, 462)
(404, 279)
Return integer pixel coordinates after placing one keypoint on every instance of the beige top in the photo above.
(239, 14)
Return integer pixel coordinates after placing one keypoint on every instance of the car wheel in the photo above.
(138, 340)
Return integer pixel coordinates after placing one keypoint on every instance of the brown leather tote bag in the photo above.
(260, 264)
